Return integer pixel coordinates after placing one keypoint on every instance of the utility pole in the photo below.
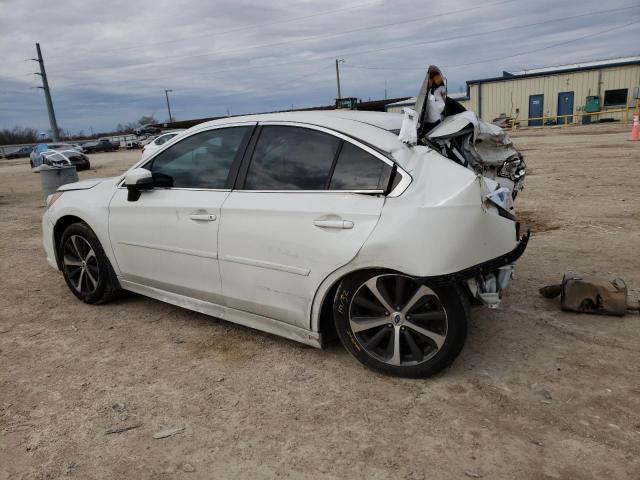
(166, 94)
(385, 89)
(47, 95)
(338, 60)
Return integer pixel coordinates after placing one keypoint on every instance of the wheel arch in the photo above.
(322, 307)
(58, 229)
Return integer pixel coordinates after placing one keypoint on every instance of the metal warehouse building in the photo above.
(578, 93)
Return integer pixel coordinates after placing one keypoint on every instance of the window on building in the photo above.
(615, 97)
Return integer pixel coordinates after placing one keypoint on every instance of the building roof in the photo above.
(558, 69)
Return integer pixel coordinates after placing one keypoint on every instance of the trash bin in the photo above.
(54, 177)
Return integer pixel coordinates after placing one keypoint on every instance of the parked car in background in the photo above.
(102, 145)
(22, 152)
(157, 143)
(146, 129)
(77, 146)
(57, 153)
(147, 140)
(301, 224)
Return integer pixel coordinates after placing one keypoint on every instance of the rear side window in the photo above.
(202, 160)
(291, 158)
(359, 170)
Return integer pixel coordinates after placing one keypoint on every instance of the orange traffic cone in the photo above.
(635, 130)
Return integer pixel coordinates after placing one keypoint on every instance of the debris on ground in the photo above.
(471, 474)
(168, 433)
(122, 429)
(589, 294)
(187, 467)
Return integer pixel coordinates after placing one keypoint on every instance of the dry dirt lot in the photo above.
(536, 393)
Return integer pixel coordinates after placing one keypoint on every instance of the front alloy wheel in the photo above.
(85, 266)
(394, 324)
(80, 265)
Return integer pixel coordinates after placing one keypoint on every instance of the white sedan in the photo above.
(301, 224)
(157, 143)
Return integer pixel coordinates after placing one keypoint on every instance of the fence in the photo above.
(624, 115)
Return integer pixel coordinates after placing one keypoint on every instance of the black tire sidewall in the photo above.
(453, 301)
(83, 230)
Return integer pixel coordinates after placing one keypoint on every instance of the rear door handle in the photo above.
(346, 224)
(202, 217)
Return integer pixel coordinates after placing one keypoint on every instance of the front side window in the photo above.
(359, 170)
(202, 160)
(291, 158)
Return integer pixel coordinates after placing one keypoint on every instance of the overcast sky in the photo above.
(110, 62)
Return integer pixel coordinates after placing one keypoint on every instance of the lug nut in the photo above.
(386, 314)
(408, 317)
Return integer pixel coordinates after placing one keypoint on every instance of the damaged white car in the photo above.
(307, 224)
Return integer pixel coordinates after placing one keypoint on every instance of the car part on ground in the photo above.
(589, 294)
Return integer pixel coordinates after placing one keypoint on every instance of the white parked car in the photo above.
(302, 224)
(157, 143)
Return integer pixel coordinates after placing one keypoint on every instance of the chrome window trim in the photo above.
(377, 192)
(401, 187)
(334, 133)
(405, 181)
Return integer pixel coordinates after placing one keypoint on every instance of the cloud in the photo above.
(110, 62)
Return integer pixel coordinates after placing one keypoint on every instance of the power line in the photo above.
(602, 32)
(239, 29)
(375, 50)
(311, 37)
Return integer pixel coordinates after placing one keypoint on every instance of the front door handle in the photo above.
(346, 224)
(203, 217)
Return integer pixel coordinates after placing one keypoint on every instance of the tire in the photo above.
(403, 328)
(85, 267)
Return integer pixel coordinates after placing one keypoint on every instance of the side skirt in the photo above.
(251, 320)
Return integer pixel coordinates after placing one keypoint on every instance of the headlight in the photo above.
(51, 199)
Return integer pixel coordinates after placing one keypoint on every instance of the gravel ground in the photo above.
(536, 393)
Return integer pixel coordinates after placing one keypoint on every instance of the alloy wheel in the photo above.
(81, 265)
(397, 320)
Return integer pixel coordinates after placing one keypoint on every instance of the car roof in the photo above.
(378, 129)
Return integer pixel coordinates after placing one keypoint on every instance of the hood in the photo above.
(82, 184)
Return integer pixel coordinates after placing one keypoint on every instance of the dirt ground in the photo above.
(535, 394)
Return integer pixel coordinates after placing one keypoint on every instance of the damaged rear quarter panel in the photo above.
(439, 225)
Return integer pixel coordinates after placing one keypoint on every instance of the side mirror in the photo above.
(137, 180)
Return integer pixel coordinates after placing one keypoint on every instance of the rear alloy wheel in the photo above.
(85, 266)
(394, 324)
